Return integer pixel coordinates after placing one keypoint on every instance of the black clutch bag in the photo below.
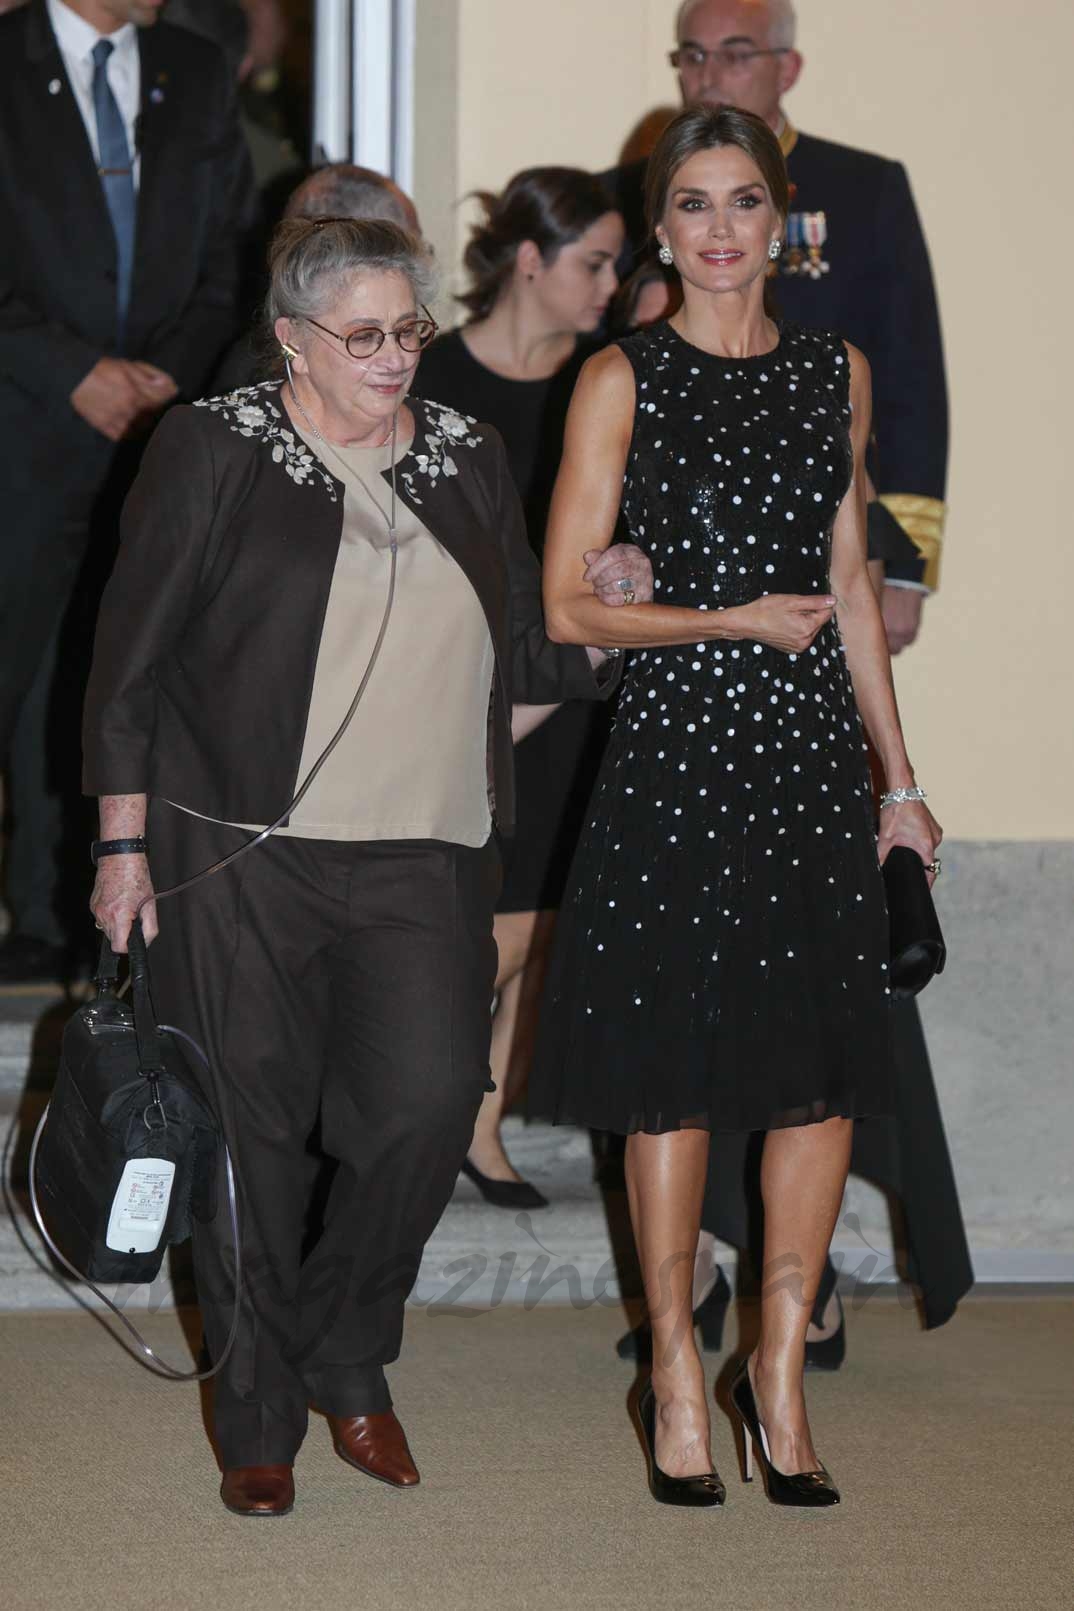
(128, 1151)
(917, 943)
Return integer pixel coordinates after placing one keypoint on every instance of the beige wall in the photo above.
(975, 106)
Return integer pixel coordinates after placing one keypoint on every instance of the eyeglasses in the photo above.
(366, 341)
(735, 61)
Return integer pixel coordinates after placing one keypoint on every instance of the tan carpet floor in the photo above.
(952, 1450)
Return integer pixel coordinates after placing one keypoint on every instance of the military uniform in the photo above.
(869, 278)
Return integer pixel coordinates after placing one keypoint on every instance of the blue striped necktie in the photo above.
(117, 177)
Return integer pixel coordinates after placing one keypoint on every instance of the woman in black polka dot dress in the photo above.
(722, 949)
(729, 875)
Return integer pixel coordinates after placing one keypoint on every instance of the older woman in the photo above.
(342, 971)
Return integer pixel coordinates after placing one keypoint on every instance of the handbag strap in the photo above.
(150, 1061)
(106, 977)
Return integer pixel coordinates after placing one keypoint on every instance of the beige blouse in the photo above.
(412, 763)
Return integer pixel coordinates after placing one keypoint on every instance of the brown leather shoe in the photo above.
(259, 1490)
(375, 1444)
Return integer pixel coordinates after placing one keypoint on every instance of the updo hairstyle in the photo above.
(550, 206)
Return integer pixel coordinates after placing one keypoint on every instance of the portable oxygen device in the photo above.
(129, 1155)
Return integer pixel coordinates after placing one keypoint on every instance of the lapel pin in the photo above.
(816, 234)
(54, 86)
(804, 251)
(794, 251)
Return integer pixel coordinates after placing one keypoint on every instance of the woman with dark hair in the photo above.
(541, 263)
(722, 953)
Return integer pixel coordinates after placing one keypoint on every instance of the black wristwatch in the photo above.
(118, 847)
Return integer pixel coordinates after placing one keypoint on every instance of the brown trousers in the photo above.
(340, 984)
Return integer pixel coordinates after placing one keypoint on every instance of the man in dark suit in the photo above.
(125, 195)
(855, 261)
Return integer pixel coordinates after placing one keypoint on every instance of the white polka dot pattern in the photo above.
(722, 950)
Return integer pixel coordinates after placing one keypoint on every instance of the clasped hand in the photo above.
(121, 397)
(622, 562)
(786, 621)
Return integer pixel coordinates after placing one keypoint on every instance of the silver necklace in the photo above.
(391, 520)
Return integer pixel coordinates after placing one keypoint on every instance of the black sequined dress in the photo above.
(721, 954)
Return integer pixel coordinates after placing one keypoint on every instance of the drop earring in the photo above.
(774, 249)
(665, 255)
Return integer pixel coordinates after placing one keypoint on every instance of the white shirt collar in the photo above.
(76, 37)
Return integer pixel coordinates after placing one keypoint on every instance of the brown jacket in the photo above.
(209, 629)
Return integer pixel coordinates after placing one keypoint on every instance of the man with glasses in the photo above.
(855, 261)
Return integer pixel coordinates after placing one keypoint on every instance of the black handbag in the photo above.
(917, 944)
(129, 1150)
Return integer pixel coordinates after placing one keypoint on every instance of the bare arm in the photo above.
(876, 566)
(876, 577)
(862, 628)
(585, 506)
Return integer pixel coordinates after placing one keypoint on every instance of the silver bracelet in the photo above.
(901, 796)
(612, 654)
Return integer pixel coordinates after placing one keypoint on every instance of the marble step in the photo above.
(31, 1027)
(478, 1256)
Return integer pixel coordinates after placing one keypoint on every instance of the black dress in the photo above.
(556, 765)
(721, 956)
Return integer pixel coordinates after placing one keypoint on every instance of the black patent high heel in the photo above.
(829, 1352)
(705, 1491)
(503, 1193)
(807, 1489)
(709, 1317)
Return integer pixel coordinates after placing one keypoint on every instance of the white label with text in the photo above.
(140, 1206)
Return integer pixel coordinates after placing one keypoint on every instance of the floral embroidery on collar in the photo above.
(441, 428)
(251, 412)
